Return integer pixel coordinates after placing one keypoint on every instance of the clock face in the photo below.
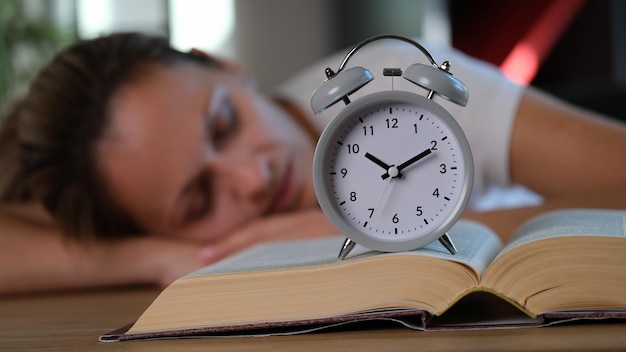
(393, 171)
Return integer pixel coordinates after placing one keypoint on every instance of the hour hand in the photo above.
(381, 164)
(377, 161)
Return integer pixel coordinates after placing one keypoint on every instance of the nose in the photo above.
(246, 175)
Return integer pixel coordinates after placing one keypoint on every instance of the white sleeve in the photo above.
(487, 120)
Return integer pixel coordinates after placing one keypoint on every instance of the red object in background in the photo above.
(524, 60)
(513, 35)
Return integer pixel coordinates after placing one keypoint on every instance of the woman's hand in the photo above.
(38, 257)
(162, 260)
(301, 224)
(154, 260)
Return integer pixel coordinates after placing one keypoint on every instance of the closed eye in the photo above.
(222, 122)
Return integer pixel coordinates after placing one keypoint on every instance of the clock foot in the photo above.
(347, 246)
(446, 241)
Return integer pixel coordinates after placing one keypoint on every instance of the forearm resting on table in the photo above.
(505, 221)
(572, 157)
(36, 257)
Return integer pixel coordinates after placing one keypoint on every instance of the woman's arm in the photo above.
(570, 156)
(35, 256)
(301, 224)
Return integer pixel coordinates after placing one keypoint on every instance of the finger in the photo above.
(227, 246)
(304, 224)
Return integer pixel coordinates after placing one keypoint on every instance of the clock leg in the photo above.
(346, 248)
(446, 241)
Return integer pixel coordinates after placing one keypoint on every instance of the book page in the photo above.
(278, 255)
(570, 222)
(476, 244)
(476, 247)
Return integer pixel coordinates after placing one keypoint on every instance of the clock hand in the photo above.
(396, 171)
(377, 161)
(414, 159)
(382, 195)
(384, 166)
(393, 172)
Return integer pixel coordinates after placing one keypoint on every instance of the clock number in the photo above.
(443, 169)
(344, 172)
(436, 192)
(434, 145)
(371, 210)
(353, 196)
(353, 148)
(392, 123)
(369, 130)
(415, 127)
(418, 211)
(395, 219)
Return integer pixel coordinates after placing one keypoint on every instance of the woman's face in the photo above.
(193, 152)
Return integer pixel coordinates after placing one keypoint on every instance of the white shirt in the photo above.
(487, 120)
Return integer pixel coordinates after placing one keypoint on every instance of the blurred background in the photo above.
(575, 49)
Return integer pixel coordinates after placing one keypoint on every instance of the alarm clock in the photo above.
(393, 170)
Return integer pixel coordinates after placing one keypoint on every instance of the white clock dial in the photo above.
(393, 172)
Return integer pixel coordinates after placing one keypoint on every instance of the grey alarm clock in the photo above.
(393, 171)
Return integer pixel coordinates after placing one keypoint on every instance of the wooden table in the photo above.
(73, 322)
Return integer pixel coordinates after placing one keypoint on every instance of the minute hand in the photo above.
(414, 159)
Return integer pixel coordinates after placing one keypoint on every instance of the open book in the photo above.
(559, 266)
